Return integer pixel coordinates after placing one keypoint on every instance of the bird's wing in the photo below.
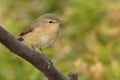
(30, 28)
(27, 30)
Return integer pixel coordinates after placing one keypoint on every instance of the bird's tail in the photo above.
(20, 39)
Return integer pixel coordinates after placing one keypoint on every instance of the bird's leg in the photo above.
(41, 50)
(49, 62)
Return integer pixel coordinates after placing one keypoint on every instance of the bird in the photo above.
(43, 32)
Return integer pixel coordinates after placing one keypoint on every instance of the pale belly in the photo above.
(41, 40)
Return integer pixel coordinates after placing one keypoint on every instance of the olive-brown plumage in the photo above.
(43, 32)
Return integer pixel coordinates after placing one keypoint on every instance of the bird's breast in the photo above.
(42, 37)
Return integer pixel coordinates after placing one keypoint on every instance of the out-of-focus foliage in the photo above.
(89, 42)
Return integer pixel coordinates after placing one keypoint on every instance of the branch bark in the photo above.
(33, 57)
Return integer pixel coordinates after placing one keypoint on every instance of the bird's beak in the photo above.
(61, 21)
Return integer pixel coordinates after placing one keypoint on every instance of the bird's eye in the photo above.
(50, 22)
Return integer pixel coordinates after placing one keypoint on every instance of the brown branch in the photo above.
(33, 57)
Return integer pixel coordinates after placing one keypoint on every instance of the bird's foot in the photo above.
(50, 63)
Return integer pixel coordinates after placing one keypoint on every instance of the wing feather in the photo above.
(27, 30)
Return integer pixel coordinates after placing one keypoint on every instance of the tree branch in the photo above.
(33, 57)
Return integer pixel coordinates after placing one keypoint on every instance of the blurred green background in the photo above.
(89, 42)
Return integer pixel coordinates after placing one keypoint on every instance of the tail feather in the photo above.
(20, 39)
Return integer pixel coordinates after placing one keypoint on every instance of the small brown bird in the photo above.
(43, 32)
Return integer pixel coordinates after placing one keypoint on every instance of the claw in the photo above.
(49, 64)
